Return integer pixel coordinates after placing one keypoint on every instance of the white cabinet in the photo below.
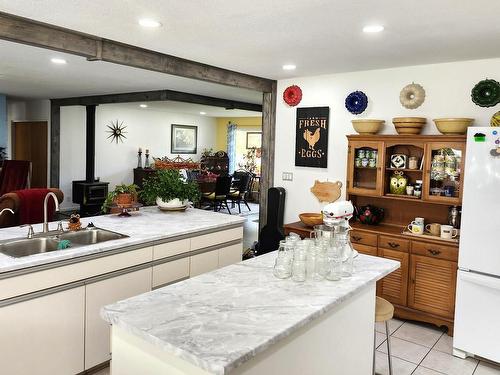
(169, 272)
(99, 294)
(204, 262)
(43, 336)
(230, 255)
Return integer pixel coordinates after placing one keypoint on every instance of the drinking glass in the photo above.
(299, 266)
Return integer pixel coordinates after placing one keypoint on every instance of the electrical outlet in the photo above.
(287, 176)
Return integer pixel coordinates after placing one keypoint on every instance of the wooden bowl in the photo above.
(453, 126)
(366, 126)
(311, 219)
(409, 125)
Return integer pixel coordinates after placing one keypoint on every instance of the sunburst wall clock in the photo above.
(117, 131)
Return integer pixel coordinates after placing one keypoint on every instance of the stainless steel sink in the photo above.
(22, 248)
(48, 242)
(91, 236)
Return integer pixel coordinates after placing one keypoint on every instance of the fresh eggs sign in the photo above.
(311, 140)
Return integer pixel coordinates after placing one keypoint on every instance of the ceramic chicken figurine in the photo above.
(312, 138)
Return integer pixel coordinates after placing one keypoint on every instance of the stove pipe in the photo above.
(90, 144)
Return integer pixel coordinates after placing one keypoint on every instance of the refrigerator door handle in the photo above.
(487, 281)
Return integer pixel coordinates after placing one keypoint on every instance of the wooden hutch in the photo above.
(424, 287)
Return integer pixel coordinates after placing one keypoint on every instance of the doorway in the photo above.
(29, 142)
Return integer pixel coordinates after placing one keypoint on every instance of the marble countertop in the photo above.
(148, 224)
(221, 319)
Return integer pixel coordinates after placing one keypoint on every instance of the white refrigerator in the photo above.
(477, 311)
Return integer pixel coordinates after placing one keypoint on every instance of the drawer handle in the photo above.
(356, 238)
(393, 244)
(434, 252)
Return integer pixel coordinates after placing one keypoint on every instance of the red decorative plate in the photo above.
(292, 95)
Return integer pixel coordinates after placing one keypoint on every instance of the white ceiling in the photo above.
(27, 72)
(189, 109)
(257, 37)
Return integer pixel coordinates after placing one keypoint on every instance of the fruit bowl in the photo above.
(453, 126)
(366, 126)
(311, 219)
(409, 125)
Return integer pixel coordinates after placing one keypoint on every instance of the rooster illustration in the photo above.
(311, 137)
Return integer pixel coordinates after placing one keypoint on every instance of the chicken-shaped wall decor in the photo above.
(312, 138)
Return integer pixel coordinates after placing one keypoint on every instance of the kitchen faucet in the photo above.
(46, 200)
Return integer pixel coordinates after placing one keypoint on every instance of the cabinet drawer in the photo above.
(434, 250)
(363, 238)
(365, 249)
(230, 255)
(393, 243)
(169, 249)
(216, 238)
(171, 271)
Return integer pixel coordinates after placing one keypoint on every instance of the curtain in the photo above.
(231, 146)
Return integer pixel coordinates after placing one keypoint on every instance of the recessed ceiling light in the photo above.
(143, 105)
(148, 22)
(289, 67)
(203, 113)
(373, 28)
(57, 60)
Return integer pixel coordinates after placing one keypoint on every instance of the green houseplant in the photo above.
(122, 194)
(166, 188)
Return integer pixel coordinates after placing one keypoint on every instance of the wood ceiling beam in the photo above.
(30, 32)
(158, 95)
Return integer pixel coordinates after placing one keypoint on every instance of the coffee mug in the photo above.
(434, 229)
(419, 220)
(409, 190)
(416, 228)
(448, 232)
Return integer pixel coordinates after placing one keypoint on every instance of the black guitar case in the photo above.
(272, 233)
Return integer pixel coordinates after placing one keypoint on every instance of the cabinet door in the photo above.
(170, 272)
(394, 287)
(364, 177)
(204, 262)
(432, 285)
(230, 255)
(43, 336)
(443, 173)
(102, 293)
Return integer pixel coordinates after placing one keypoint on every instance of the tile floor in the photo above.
(420, 349)
(417, 349)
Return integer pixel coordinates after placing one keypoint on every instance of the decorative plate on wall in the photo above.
(495, 119)
(292, 95)
(486, 93)
(356, 102)
(412, 96)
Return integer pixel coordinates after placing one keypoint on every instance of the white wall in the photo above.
(146, 128)
(447, 86)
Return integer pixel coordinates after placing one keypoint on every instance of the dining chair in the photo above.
(218, 197)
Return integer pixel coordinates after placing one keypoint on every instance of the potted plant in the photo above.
(122, 195)
(167, 189)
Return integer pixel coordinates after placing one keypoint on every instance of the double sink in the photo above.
(50, 241)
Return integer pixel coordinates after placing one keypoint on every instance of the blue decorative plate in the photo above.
(356, 102)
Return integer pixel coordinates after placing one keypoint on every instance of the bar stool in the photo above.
(384, 311)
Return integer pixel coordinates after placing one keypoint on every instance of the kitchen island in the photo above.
(242, 320)
(50, 302)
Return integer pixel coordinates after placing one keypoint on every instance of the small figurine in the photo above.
(74, 223)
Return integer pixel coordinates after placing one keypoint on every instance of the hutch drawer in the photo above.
(363, 238)
(393, 243)
(435, 250)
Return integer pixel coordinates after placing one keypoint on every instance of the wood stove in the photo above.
(90, 193)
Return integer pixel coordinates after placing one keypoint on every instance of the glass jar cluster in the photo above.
(329, 255)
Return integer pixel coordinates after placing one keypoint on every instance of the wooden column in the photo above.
(55, 134)
(268, 141)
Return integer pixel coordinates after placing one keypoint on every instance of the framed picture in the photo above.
(184, 139)
(254, 140)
